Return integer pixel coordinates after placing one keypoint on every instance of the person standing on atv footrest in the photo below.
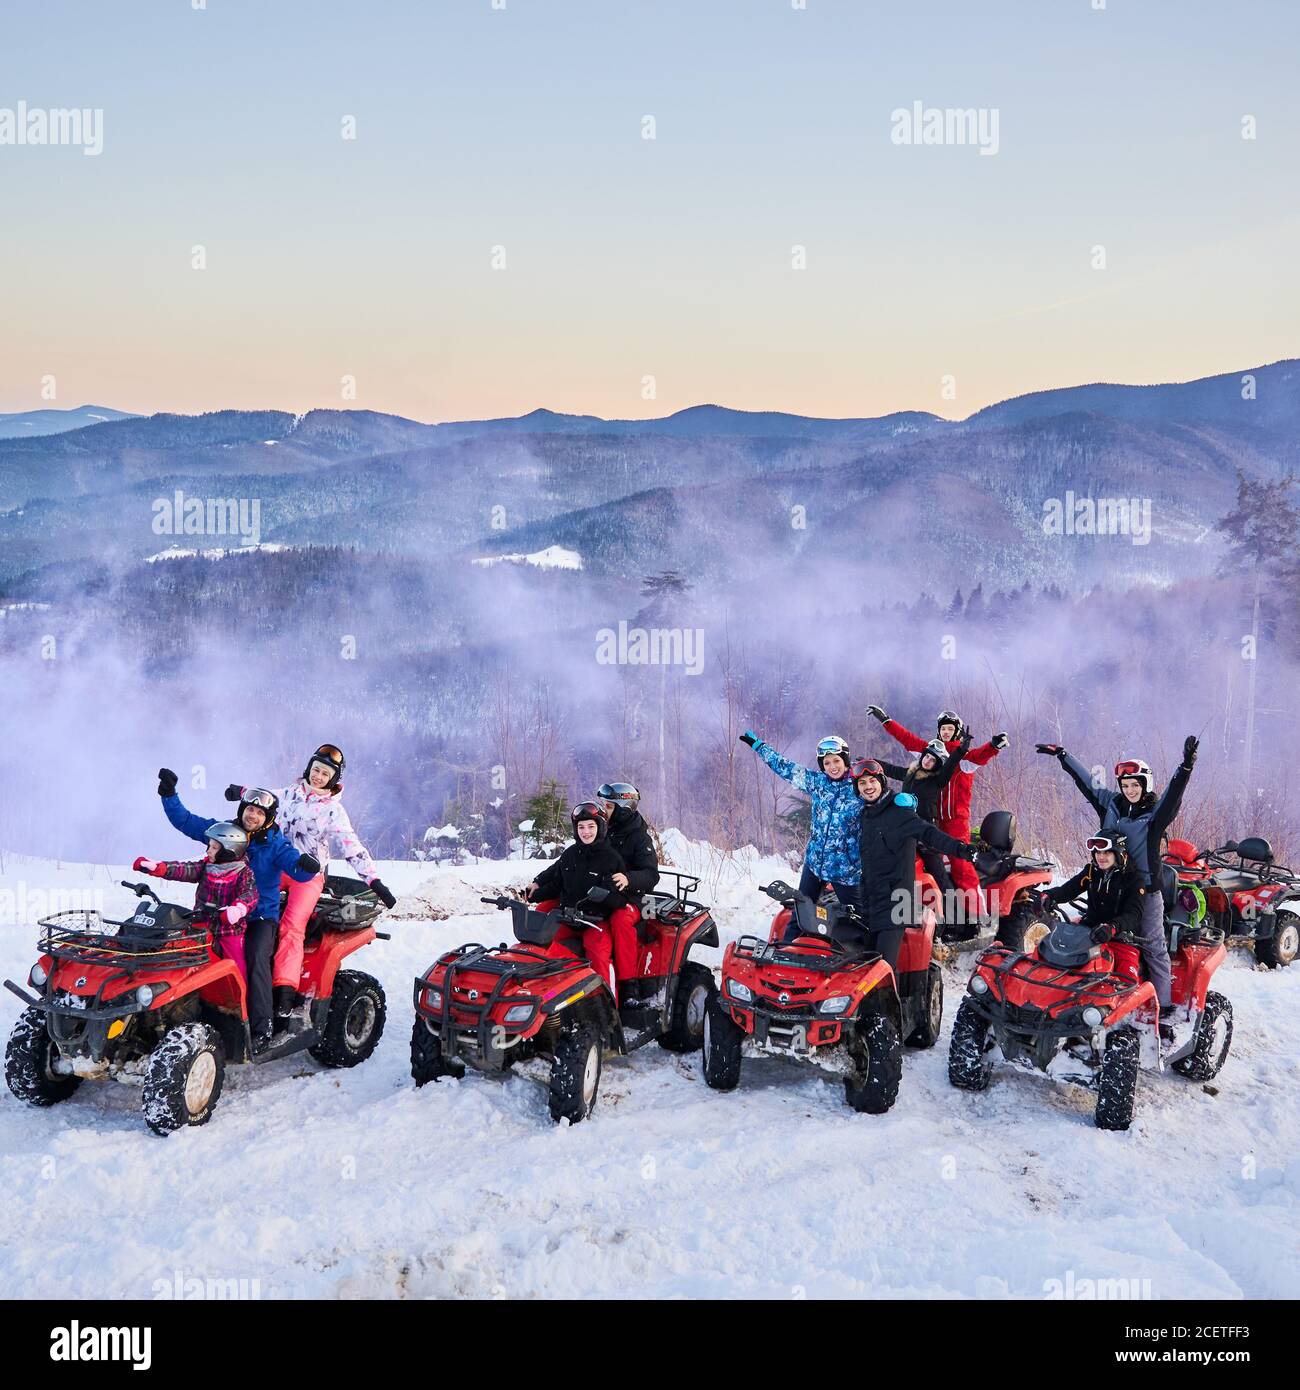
(1136, 812)
(889, 832)
(270, 856)
(832, 853)
(630, 836)
(589, 862)
(926, 779)
(953, 815)
(226, 892)
(312, 816)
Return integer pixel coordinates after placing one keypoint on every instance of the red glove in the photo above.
(147, 866)
(234, 915)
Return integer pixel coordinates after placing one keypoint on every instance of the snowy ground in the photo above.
(311, 1182)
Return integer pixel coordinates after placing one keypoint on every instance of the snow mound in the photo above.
(554, 557)
(176, 552)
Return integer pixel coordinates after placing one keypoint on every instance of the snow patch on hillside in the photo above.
(554, 557)
(176, 552)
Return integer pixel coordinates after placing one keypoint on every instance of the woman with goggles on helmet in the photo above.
(591, 862)
(1135, 811)
(313, 818)
(832, 853)
(272, 857)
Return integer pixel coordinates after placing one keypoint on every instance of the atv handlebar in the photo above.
(142, 890)
(781, 891)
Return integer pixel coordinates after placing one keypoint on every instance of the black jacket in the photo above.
(581, 867)
(888, 833)
(928, 790)
(630, 836)
(1114, 896)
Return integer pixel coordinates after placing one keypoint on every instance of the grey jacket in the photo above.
(1143, 823)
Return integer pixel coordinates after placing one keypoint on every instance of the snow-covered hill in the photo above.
(310, 1182)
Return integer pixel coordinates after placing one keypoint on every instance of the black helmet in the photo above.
(1113, 840)
(231, 841)
(937, 749)
(590, 810)
(868, 767)
(264, 800)
(618, 796)
(948, 716)
(832, 745)
(328, 756)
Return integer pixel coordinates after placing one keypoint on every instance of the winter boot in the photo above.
(263, 1036)
(1167, 1016)
(636, 1010)
(284, 999)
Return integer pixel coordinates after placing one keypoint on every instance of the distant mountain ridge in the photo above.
(29, 424)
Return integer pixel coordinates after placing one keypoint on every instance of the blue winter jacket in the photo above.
(269, 855)
(832, 852)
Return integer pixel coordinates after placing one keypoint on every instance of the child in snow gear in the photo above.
(271, 857)
(1113, 887)
(889, 830)
(831, 856)
(591, 862)
(630, 835)
(226, 892)
(926, 777)
(1142, 817)
(311, 815)
(953, 815)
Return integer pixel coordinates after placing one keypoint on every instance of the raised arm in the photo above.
(953, 761)
(912, 742)
(1098, 798)
(800, 778)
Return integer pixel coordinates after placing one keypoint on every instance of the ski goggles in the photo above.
(620, 793)
(946, 716)
(587, 810)
(1103, 843)
(259, 796)
(829, 746)
(327, 753)
(1131, 768)
(867, 767)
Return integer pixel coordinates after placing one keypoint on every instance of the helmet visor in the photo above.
(832, 745)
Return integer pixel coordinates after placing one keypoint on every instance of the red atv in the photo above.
(1261, 902)
(1006, 878)
(147, 999)
(824, 996)
(491, 1006)
(1081, 1012)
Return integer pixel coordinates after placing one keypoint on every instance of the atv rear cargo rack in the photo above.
(80, 937)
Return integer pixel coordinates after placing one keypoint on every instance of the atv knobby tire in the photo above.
(28, 1056)
(355, 1021)
(1279, 948)
(427, 1062)
(183, 1081)
(1213, 1039)
(722, 1040)
(1117, 1080)
(926, 1033)
(695, 987)
(969, 1066)
(877, 1054)
(575, 1073)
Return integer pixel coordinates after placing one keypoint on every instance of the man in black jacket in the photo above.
(887, 840)
(630, 836)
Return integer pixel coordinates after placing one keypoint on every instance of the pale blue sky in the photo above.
(479, 127)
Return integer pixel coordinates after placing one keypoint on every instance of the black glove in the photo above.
(234, 792)
(750, 737)
(166, 782)
(1102, 933)
(308, 864)
(1190, 745)
(999, 740)
(877, 713)
(967, 852)
(1042, 901)
(1052, 750)
(384, 895)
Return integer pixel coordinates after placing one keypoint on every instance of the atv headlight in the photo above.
(38, 976)
(740, 991)
(978, 985)
(433, 999)
(1092, 1016)
(518, 1013)
(835, 1005)
(144, 996)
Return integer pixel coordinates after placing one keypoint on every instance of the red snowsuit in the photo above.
(954, 803)
(614, 942)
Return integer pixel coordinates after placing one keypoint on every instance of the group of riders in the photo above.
(864, 842)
